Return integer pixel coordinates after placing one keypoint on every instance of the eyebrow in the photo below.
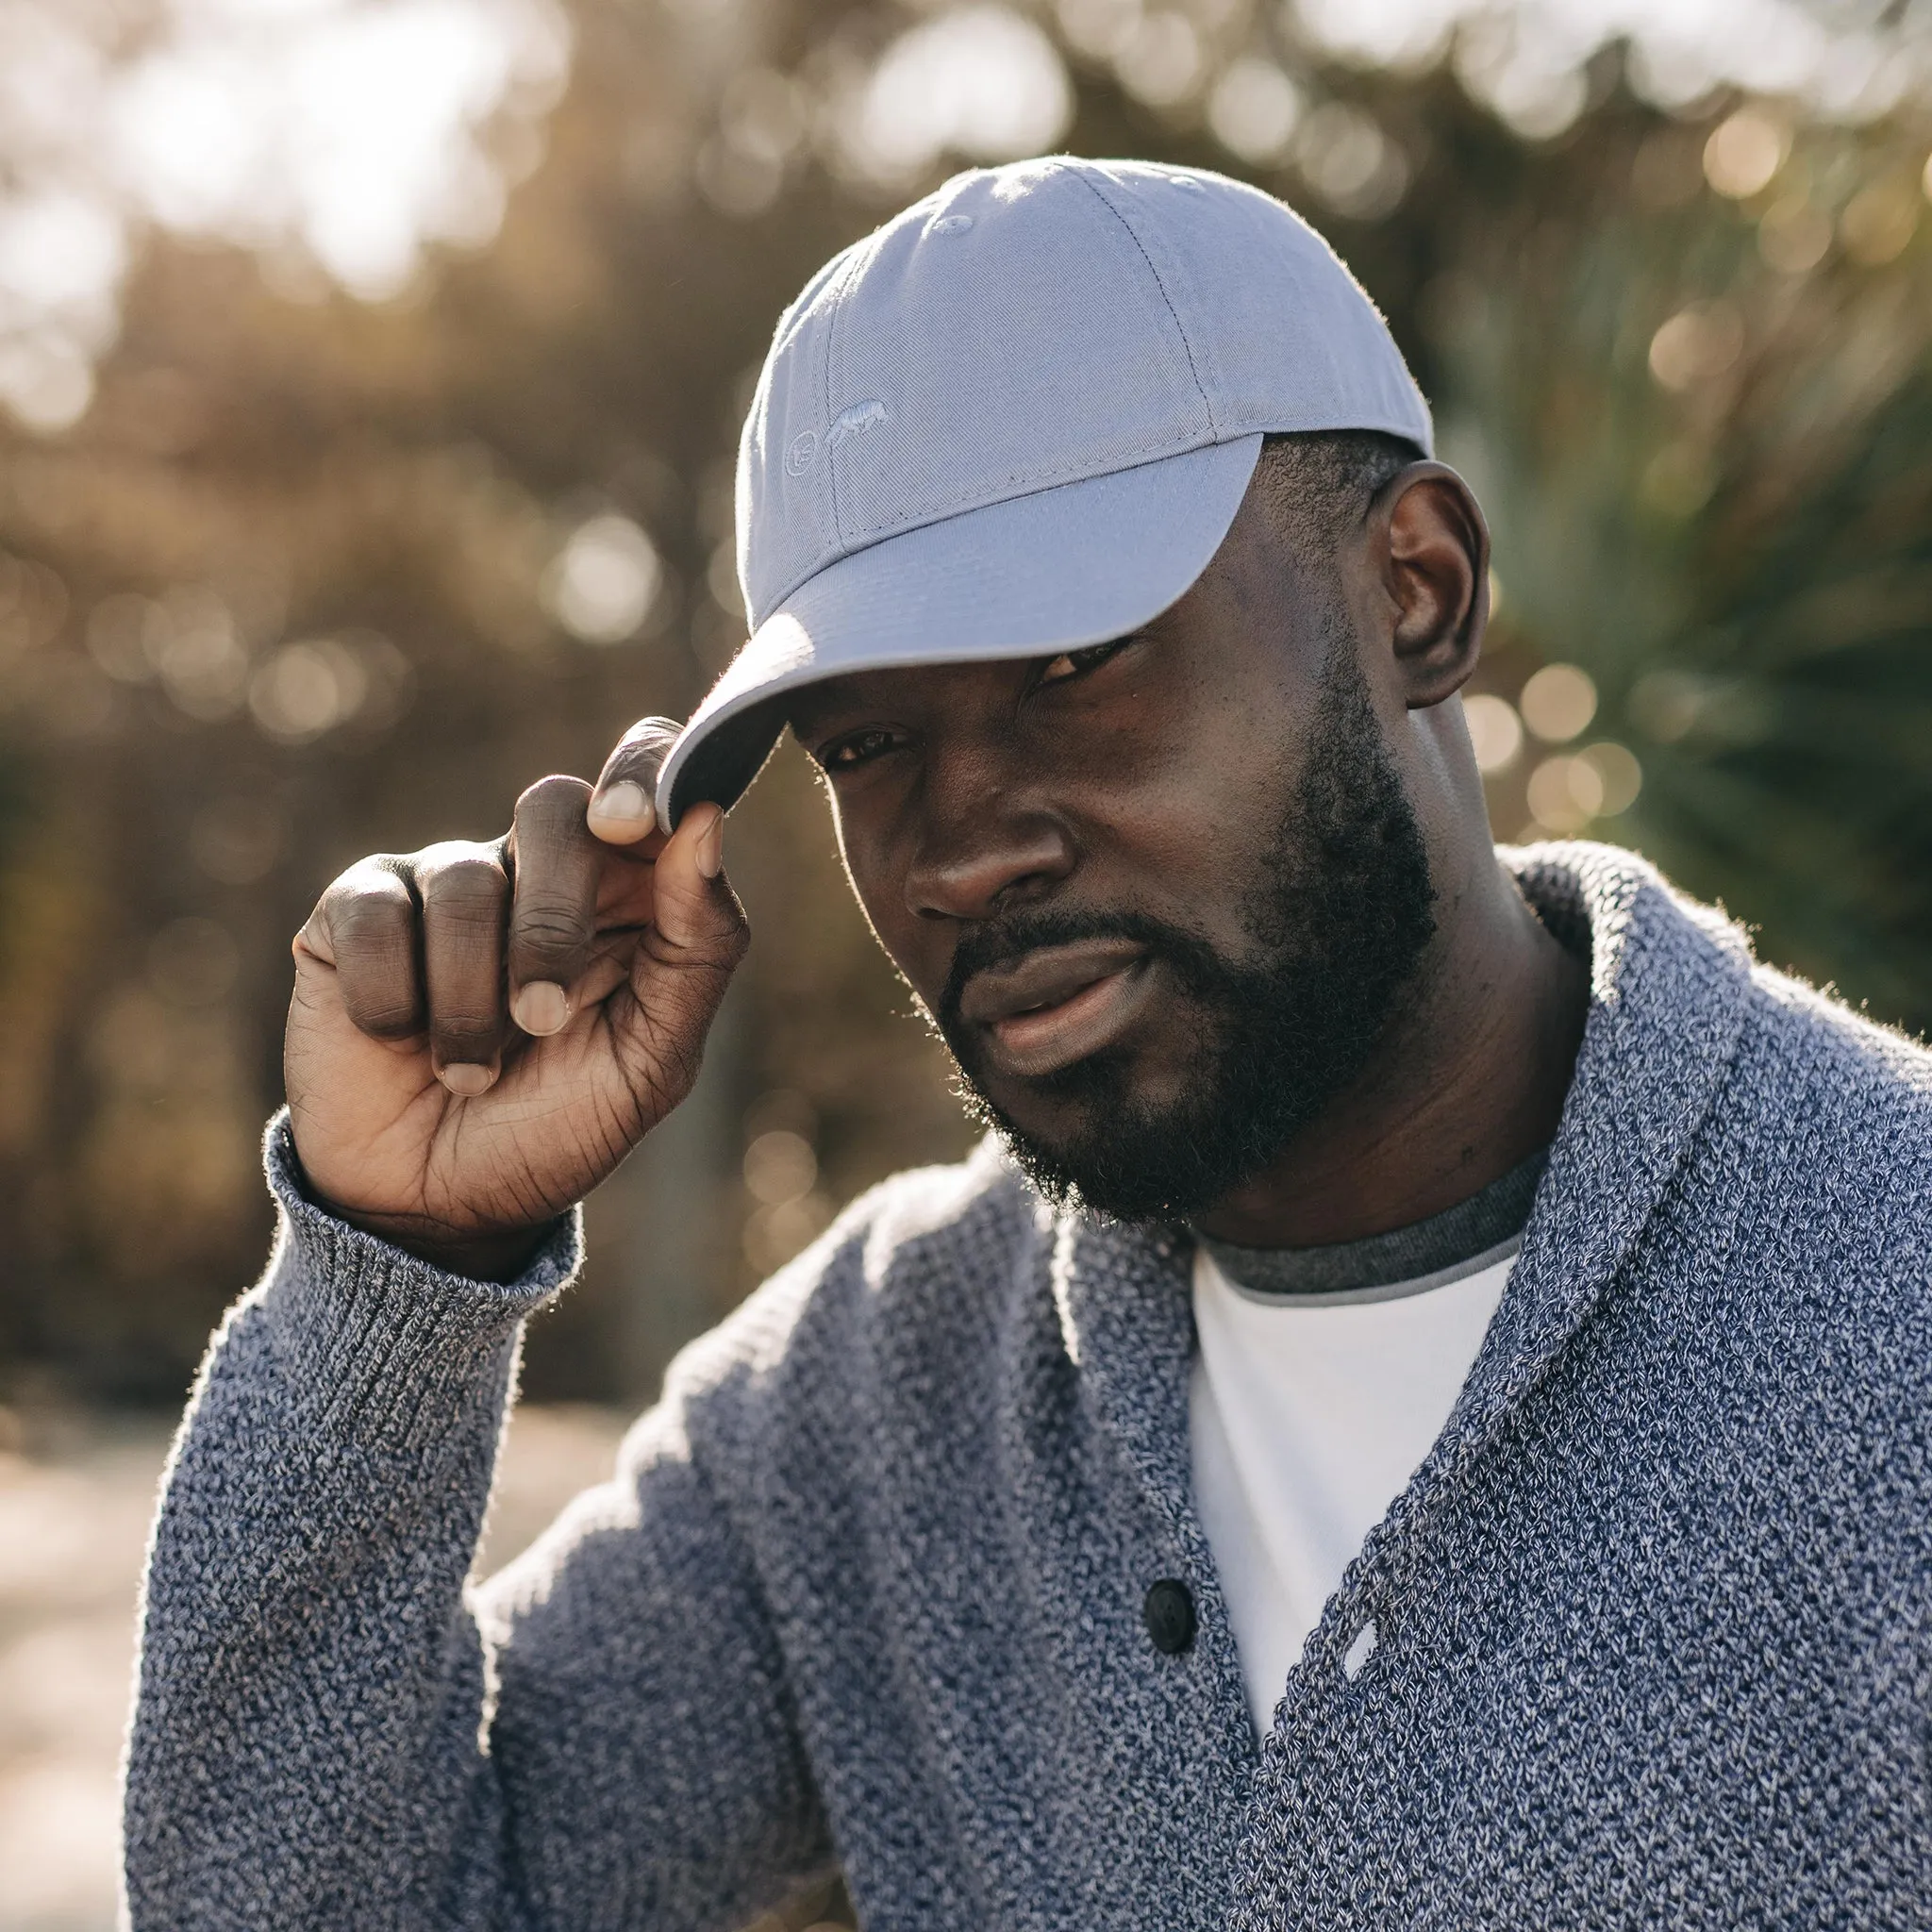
(807, 719)
(816, 703)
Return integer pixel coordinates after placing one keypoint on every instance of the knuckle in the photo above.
(367, 879)
(712, 955)
(369, 872)
(467, 886)
(654, 731)
(478, 875)
(375, 936)
(642, 751)
(367, 911)
(453, 858)
(466, 1036)
(373, 922)
(390, 1017)
(734, 928)
(558, 799)
(726, 944)
(548, 932)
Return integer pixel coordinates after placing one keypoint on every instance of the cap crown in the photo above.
(1034, 325)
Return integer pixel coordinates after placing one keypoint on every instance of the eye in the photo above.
(1071, 664)
(855, 748)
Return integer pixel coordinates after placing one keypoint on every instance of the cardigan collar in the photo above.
(1669, 992)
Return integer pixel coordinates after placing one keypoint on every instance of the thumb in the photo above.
(684, 963)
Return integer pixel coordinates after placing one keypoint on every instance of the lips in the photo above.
(1057, 1005)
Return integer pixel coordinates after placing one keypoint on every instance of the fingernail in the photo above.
(625, 808)
(710, 852)
(541, 1008)
(466, 1079)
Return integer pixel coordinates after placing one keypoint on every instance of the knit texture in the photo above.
(1651, 1639)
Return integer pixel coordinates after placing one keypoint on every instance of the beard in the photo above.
(1337, 916)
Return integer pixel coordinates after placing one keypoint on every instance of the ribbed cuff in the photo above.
(377, 1344)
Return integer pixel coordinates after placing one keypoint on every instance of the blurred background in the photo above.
(370, 373)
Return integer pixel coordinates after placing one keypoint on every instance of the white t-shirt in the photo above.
(1307, 1415)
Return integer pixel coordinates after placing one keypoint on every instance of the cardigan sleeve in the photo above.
(332, 1729)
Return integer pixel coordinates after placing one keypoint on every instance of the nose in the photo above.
(982, 847)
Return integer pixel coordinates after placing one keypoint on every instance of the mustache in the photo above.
(1001, 942)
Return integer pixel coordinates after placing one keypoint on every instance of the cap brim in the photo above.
(1051, 571)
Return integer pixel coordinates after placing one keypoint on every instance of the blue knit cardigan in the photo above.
(1651, 1623)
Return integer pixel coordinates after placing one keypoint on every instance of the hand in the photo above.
(480, 1033)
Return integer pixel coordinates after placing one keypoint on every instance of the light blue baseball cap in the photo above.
(1019, 419)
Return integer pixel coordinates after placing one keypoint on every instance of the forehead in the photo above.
(903, 689)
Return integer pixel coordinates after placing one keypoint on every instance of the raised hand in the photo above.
(479, 1033)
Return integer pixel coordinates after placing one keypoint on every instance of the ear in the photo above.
(1432, 546)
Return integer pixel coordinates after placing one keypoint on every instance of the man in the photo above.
(1419, 1415)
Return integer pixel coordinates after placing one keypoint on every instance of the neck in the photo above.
(1468, 1080)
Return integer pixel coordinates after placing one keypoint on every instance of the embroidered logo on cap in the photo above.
(854, 420)
(803, 450)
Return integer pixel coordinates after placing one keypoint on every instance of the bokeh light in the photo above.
(788, 1209)
(1744, 152)
(1495, 731)
(1253, 109)
(341, 126)
(1567, 792)
(1350, 163)
(603, 580)
(1558, 702)
(981, 81)
(341, 133)
(1696, 346)
(1159, 58)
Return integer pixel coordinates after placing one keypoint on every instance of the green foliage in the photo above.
(1710, 478)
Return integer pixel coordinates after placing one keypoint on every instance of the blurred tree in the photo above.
(1695, 378)
(315, 575)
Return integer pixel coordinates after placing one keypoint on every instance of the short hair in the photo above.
(1320, 482)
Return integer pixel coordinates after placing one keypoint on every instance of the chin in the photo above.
(1134, 1164)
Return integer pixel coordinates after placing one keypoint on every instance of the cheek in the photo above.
(861, 870)
(880, 889)
(1181, 810)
